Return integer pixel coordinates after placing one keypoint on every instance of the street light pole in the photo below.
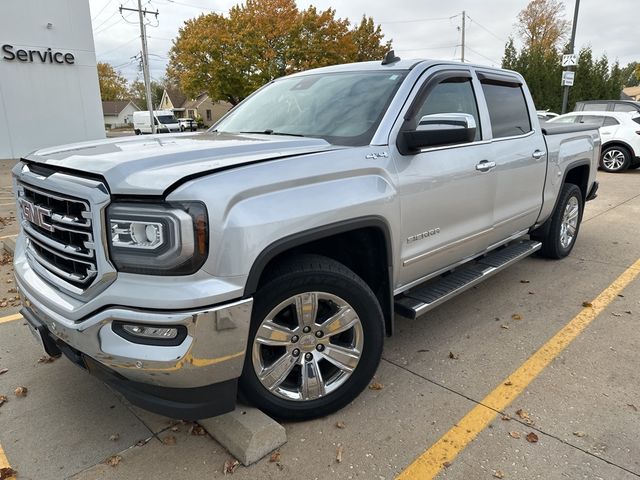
(565, 94)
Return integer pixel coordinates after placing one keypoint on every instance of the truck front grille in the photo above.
(59, 231)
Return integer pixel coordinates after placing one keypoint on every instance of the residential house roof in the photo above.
(176, 97)
(632, 92)
(115, 107)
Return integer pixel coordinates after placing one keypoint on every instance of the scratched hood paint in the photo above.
(150, 164)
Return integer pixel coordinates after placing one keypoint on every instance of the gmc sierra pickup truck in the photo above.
(271, 254)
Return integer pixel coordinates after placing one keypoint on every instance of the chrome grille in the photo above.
(59, 233)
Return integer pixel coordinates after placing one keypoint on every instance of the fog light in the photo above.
(151, 332)
(167, 336)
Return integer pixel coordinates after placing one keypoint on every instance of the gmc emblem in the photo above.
(36, 214)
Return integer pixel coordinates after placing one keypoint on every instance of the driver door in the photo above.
(447, 192)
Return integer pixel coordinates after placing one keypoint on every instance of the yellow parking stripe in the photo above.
(10, 318)
(447, 448)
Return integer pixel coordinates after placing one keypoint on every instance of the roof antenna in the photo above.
(390, 57)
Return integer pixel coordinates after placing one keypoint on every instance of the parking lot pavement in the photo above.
(584, 407)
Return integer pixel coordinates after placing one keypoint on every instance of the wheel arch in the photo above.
(362, 244)
(618, 143)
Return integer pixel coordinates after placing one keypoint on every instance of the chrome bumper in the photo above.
(212, 352)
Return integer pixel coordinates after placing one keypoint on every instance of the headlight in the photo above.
(158, 239)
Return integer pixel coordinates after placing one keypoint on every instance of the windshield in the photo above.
(164, 119)
(342, 108)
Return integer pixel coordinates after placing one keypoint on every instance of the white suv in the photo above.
(620, 132)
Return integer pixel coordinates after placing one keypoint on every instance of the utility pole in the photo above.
(565, 94)
(145, 57)
(464, 18)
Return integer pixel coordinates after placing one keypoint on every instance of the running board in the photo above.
(421, 299)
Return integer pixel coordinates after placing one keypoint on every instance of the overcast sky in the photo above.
(418, 28)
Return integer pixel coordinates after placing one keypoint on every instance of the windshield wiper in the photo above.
(268, 131)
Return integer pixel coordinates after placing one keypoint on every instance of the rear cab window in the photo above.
(507, 105)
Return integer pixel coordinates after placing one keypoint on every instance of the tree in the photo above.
(113, 86)
(542, 24)
(231, 56)
(138, 93)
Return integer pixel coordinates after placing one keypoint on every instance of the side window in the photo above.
(593, 119)
(610, 122)
(452, 96)
(596, 107)
(507, 109)
(566, 119)
(624, 107)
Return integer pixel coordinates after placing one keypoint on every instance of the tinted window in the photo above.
(596, 107)
(636, 119)
(567, 119)
(507, 109)
(610, 121)
(592, 119)
(624, 107)
(452, 96)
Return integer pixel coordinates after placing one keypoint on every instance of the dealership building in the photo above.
(49, 92)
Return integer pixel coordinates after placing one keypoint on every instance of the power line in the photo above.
(416, 20)
(193, 6)
(119, 46)
(502, 39)
(444, 47)
(483, 56)
(102, 10)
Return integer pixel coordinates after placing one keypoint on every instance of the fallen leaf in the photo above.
(453, 356)
(514, 434)
(230, 466)
(587, 304)
(532, 437)
(3, 399)
(506, 327)
(525, 281)
(113, 460)
(506, 418)
(7, 473)
(275, 457)
(616, 314)
(175, 428)
(376, 386)
(340, 424)
(20, 392)
(143, 442)
(446, 464)
(3, 370)
(516, 316)
(46, 359)
(508, 383)
(339, 454)
(169, 440)
(580, 434)
(197, 430)
(628, 405)
(115, 437)
(628, 311)
(498, 474)
(3, 304)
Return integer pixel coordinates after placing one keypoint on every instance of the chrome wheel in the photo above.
(569, 223)
(613, 159)
(307, 346)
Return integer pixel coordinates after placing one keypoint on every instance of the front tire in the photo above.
(559, 236)
(615, 159)
(315, 340)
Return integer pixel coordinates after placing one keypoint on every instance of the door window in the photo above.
(624, 107)
(454, 95)
(507, 109)
(610, 122)
(592, 119)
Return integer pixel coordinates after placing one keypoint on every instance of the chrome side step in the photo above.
(423, 298)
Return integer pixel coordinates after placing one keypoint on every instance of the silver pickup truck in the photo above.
(272, 253)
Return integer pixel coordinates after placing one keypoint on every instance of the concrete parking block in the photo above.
(247, 433)
(9, 245)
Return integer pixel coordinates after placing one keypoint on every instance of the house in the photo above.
(631, 93)
(118, 113)
(201, 106)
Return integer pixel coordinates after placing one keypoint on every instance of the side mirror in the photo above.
(438, 130)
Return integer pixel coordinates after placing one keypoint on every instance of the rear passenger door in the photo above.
(519, 152)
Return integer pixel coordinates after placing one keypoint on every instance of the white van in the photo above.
(166, 122)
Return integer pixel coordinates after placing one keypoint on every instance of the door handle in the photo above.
(485, 166)
(538, 154)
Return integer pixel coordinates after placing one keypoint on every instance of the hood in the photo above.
(149, 165)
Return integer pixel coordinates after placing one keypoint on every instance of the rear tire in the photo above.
(559, 233)
(615, 159)
(315, 341)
